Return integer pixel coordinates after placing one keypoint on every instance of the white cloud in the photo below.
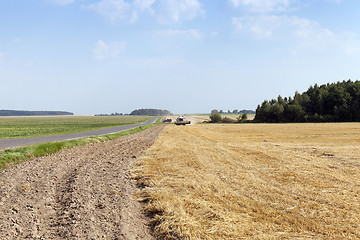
(61, 2)
(179, 10)
(301, 33)
(188, 34)
(263, 5)
(143, 4)
(140, 6)
(272, 26)
(112, 10)
(164, 10)
(103, 51)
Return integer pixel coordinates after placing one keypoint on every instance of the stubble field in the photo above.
(254, 181)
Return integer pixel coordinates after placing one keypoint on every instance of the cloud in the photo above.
(61, 2)
(188, 34)
(103, 51)
(180, 10)
(165, 11)
(112, 10)
(272, 26)
(263, 5)
(143, 5)
(301, 33)
(140, 6)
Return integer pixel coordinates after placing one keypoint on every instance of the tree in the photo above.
(215, 116)
(150, 112)
(242, 118)
(326, 103)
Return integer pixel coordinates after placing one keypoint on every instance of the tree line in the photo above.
(33, 113)
(215, 117)
(150, 112)
(235, 111)
(332, 102)
(111, 114)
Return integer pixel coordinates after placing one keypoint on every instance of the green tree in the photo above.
(326, 103)
(244, 117)
(215, 116)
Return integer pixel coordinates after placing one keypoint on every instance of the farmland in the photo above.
(16, 127)
(253, 181)
(80, 193)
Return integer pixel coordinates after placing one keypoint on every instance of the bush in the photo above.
(242, 118)
(215, 116)
(228, 120)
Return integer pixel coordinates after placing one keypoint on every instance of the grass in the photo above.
(19, 127)
(14, 156)
(253, 181)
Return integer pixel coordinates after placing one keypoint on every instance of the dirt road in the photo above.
(82, 193)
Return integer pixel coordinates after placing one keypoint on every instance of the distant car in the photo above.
(168, 120)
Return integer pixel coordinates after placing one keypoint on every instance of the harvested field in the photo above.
(254, 181)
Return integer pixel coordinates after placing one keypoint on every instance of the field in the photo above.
(253, 181)
(16, 127)
(79, 193)
(205, 117)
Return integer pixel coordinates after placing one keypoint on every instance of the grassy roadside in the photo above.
(11, 157)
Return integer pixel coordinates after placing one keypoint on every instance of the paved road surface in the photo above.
(16, 142)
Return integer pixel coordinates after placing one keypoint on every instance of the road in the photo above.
(17, 142)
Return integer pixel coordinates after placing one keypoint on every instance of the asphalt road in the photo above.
(17, 142)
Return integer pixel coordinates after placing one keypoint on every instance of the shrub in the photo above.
(242, 118)
(228, 120)
(215, 116)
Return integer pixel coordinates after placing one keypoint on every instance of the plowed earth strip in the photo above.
(81, 193)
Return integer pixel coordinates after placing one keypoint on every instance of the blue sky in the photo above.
(187, 56)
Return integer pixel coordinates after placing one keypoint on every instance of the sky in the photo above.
(186, 56)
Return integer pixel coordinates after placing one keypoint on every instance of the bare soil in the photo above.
(82, 193)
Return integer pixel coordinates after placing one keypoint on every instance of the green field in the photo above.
(19, 127)
(10, 157)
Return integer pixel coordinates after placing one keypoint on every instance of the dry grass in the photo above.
(254, 181)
